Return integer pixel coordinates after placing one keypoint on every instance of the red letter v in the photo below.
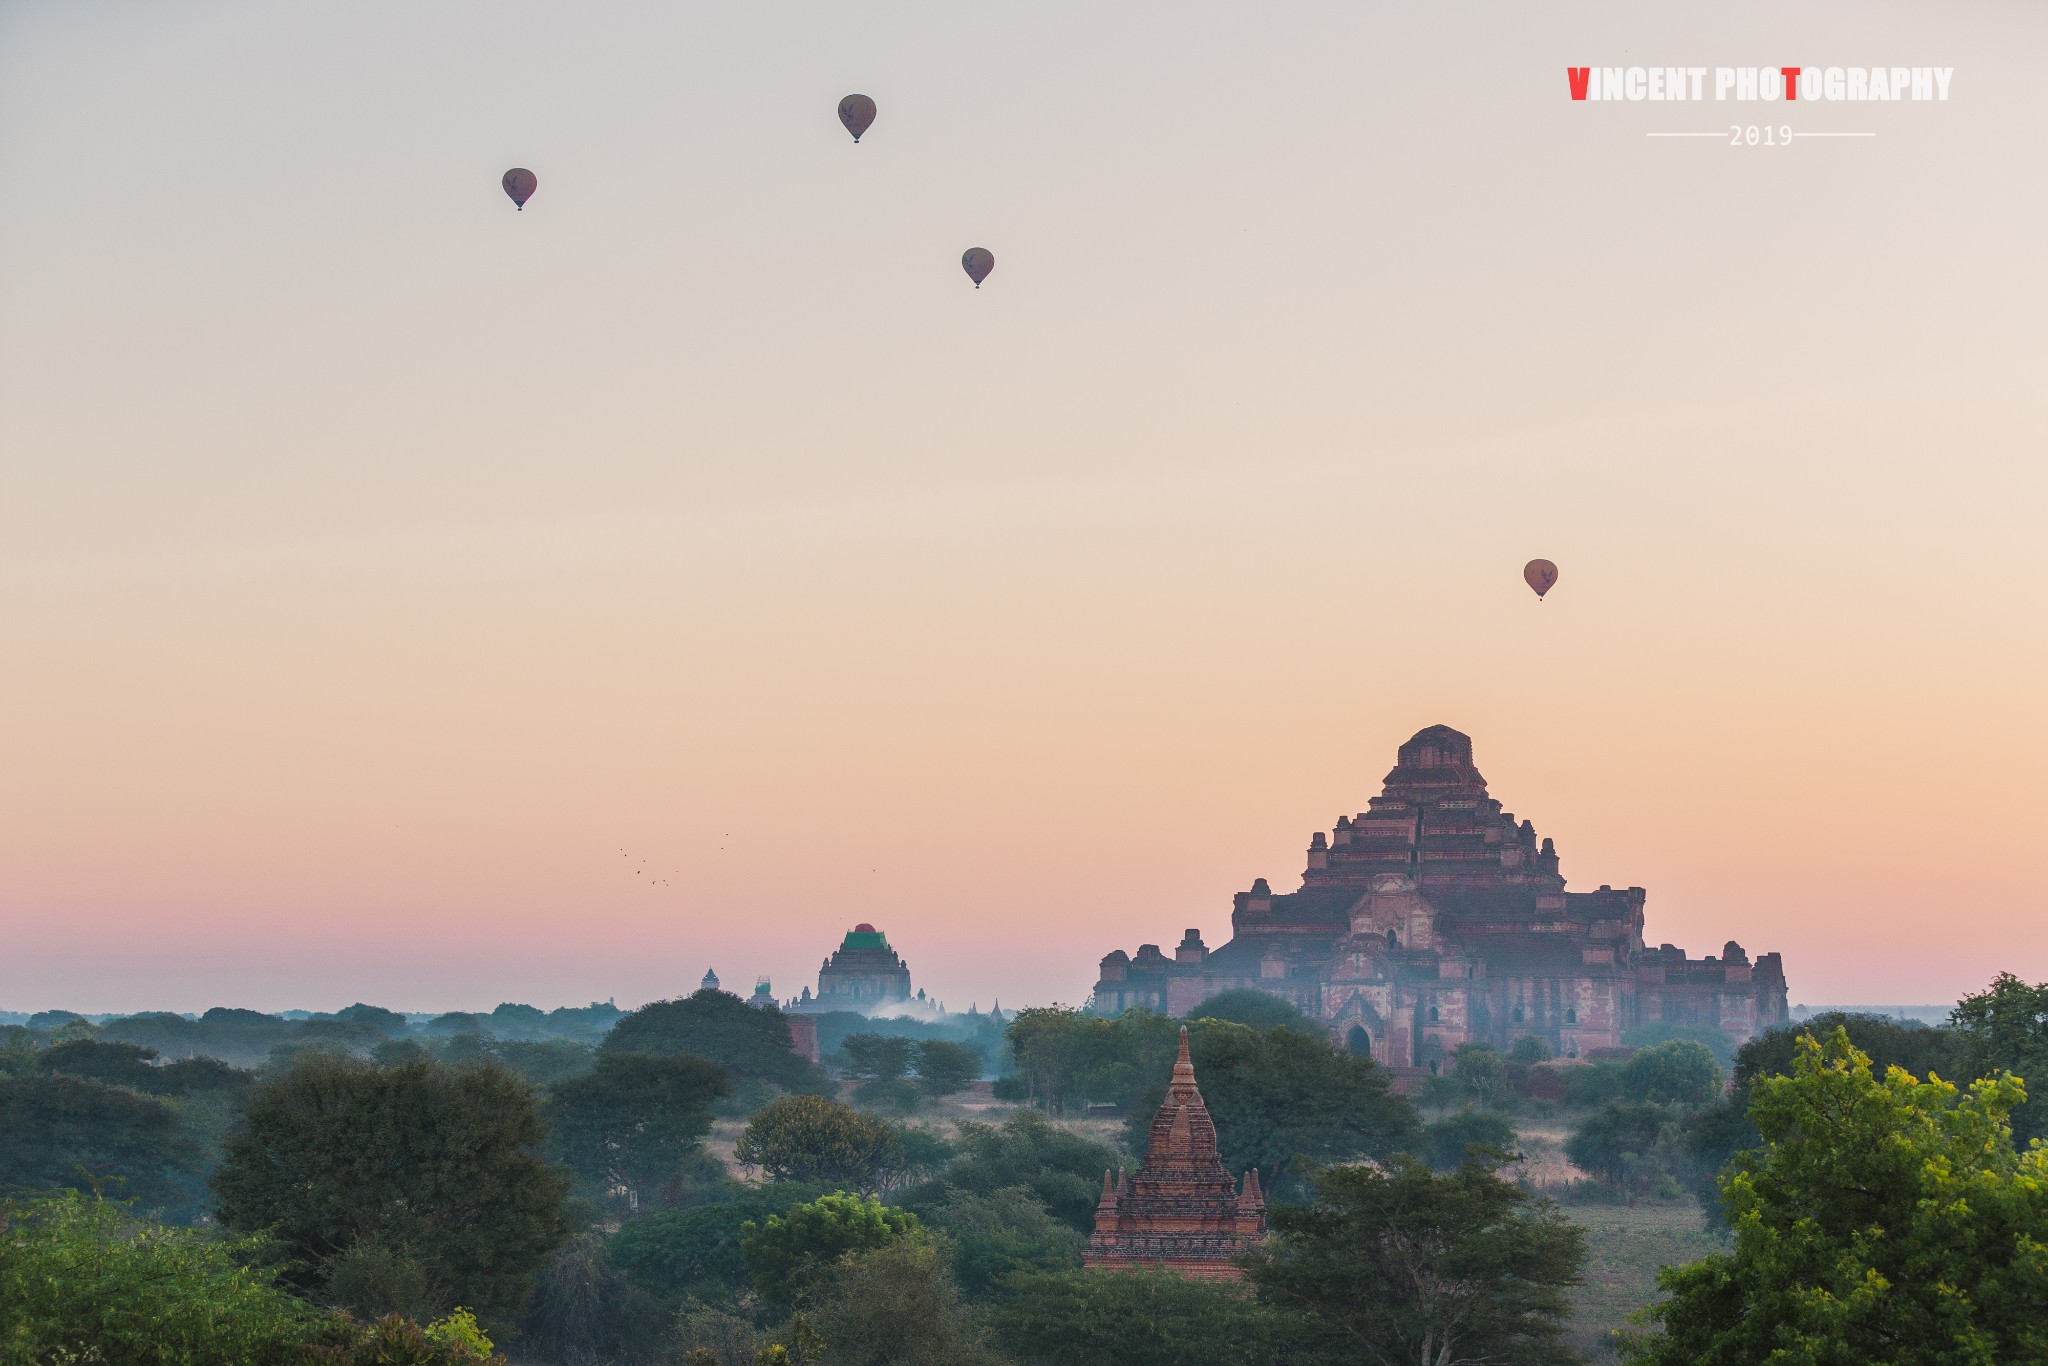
(1577, 76)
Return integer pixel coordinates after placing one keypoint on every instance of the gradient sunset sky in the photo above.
(385, 574)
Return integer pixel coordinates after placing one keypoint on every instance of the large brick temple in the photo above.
(1433, 919)
(1181, 1211)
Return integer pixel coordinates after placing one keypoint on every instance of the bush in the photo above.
(786, 1252)
(1258, 1009)
(810, 1138)
(992, 1237)
(1444, 1142)
(753, 1045)
(674, 1254)
(1063, 1170)
(438, 1163)
(1141, 1318)
(1715, 1041)
(1677, 1073)
(83, 1280)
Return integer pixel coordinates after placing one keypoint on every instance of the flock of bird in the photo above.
(857, 112)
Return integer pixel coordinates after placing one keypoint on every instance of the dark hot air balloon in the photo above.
(1540, 575)
(856, 112)
(520, 183)
(978, 262)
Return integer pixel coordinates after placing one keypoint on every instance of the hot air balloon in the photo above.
(856, 112)
(1540, 575)
(978, 262)
(520, 183)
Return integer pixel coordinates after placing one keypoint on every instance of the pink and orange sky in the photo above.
(377, 563)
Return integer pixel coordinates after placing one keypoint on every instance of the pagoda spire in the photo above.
(1182, 1088)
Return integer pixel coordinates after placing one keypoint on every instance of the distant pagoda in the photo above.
(1180, 1211)
(864, 973)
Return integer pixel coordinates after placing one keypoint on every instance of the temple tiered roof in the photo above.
(1181, 1210)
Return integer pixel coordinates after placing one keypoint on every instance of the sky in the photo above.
(408, 599)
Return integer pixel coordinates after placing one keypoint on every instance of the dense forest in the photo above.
(677, 1184)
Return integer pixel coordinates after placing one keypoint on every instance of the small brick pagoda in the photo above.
(1181, 1211)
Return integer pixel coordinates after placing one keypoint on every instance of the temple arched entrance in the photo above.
(1359, 1041)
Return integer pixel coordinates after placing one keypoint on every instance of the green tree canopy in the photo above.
(83, 1280)
(892, 1305)
(1921, 1049)
(1062, 1169)
(1716, 1041)
(994, 1236)
(944, 1067)
(810, 1138)
(58, 1131)
(695, 1252)
(434, 1162)
(1142, 1318)
(1259, 1009)
(1606, 1142)
(1397, 1264)
(750, 1043)
(1445, 1142)
(1680, 1072)
(785, 1250)
(1880, 1221)
(1483, 1073)
(636, 1120)
(877, 1057)
(2005, 1027)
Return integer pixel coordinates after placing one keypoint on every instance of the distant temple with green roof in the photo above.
(863, 973)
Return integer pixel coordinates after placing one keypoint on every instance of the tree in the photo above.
(1062, 1169)
(60, 1131)
(1057, 1049)
(783, 1252)
(994, 1236)
(1920, 1049)
(1396, 1264)
(583, 1308)
(1529, 1050)
(2005, 1027)
(636, 1120)
(877, 1057)
(1445, 1142)
(1620, 1141)
(1716, 1041)
(1483, 1073)
(82, 1280)
(1141, 1318)
(810, 1138)
(546, 1061)
(1680, 1072)
(695, 1252)
(752, 1044)
(1250, 1006)
(1280, 1098)
(1880, 1220)
(892, 1305)
(880, 1065)
(944, 1067)
(434, 1162)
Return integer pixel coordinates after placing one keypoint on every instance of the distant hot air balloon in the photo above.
(856, 112)
(978, 262)
(520, 183)
(1540, 575)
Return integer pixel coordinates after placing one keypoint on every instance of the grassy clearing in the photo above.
(1625, 1246)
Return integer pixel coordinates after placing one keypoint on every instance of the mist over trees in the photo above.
(675, 1184)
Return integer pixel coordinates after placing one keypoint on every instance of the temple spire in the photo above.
(1182, 1088)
